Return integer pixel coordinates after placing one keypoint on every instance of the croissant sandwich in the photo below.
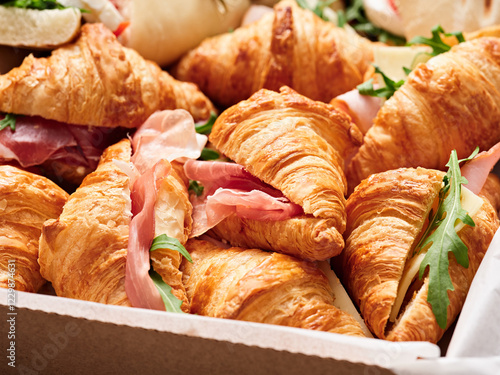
(402, 227)
(99, 248)
(286, 192)
(291, 47)
(26, 202)
(95, 83)
(256, 286)
(451, 102)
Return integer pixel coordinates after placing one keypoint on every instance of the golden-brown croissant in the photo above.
(253, 285)
(26, 202)
(84, 252)
(291, 47)
(386, 215)
(451, 102)
(98, 82)
(298, 146)
(491, 191)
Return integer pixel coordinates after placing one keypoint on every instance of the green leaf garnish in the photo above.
(172, 303)
(341, 18)
(165, 242)
(318, 9)
(209, 154)
(356, 16)
(436, 43)
(206, 127)
(8, 121)
(195, 187)
(407, 70)
(366, 88)
(33, 4)
(441, 238)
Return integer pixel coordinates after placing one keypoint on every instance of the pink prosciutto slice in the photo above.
(476, 171)
(139, 287)
(254, 205)
(230, 189)
(168, 135)
(361, 108)
(37, 140)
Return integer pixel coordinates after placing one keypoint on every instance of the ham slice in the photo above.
(37, 140)
(139, 287)
(230, 189)
(164, 137)
(168, 135)
(361, 108)
(476, 171)
(254, 205)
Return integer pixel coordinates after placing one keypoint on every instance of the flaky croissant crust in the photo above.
(386, 214)
(253, 285)
(291, 47)
(284, 140)
(451, 102)
(83, 253)
(98, 82)
(304, 237)
(26, 202)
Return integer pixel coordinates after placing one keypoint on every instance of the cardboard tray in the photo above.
(55, 335)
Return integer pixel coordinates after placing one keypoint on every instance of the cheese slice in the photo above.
(470, 203)
(391, 60)
(342, 300)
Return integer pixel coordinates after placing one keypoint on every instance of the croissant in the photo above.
(26, 201)
(298, 146)
(256, 286)
(451, 102)
(491, 191)
(84, 252)
(98, 82)
(386, 214)
(291, 47)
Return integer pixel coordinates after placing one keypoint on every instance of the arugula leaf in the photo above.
(8, 121)
(165, 242)
(172, 303)
(436, 43)
(355, 15)
(407, 70)
(195, 187)
(341, 18)
(382, 35)
(33, 4)
(366, 88)
(443, 238)
(206, 127)
(318, 9)
(209, 154)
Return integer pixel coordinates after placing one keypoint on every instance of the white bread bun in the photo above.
(164, 33)
(43, 29)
